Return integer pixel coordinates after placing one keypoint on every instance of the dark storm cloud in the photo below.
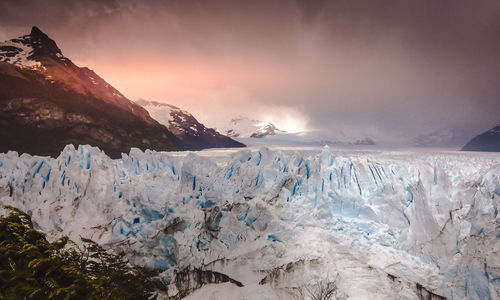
(393, 69)
(310, 9)
(54, 13)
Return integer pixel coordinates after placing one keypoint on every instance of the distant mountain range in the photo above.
(47, 102)
(244, 127)
(445, 137)
(185, 126)
(488, 141)
(255, 131)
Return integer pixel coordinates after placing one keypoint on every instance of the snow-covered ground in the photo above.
(385, 224)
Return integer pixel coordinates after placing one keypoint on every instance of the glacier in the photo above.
(385, 224)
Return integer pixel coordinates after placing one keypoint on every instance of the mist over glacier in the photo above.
(386, 224)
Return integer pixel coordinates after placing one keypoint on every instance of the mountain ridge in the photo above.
(46, 102)
(488, 141)
(186, 127)
(243, 127)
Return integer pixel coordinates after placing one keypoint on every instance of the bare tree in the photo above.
(323, 290)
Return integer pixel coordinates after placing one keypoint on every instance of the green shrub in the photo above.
(33, 268)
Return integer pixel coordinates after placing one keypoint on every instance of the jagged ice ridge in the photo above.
(389, 224)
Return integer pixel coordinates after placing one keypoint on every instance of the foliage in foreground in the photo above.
(33, 268)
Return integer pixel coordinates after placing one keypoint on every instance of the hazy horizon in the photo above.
(383, 69)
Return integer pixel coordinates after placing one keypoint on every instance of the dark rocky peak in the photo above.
(36, 32)
(42, 45)
(488, 141)
(34, 47)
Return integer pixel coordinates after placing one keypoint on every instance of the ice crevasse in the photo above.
(383, 224)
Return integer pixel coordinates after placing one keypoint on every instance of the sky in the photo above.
(386, 69)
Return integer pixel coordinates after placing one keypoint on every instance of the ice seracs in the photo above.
(389, 225)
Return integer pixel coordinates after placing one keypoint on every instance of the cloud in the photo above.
(392, 69)
(310, 10)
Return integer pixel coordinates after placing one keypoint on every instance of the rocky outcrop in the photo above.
(424, 294)
(276, 275)
(189, 280)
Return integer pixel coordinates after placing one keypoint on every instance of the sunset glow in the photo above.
(246, 149)
(383, 69)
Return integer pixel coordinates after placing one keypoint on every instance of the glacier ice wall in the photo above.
(386, 224)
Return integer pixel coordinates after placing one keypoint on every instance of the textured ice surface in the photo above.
(383, 221)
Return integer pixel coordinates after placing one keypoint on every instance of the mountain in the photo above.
(247, 130)
(185, 126)
(244, 127)
(446, 137)
(488, 141)
(47, 102)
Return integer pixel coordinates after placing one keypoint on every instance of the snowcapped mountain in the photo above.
(244, 127)
(247, 129)
(185, 126)
(47, 102)
(488, 141)
(262, 224)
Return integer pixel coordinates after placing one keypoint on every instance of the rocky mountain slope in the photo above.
(185, 126)
(488, 141)
(47, 102)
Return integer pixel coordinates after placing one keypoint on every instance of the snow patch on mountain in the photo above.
(18, 52)
(185, 126)
(175, 119)
(28, 51)
(162, 112)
